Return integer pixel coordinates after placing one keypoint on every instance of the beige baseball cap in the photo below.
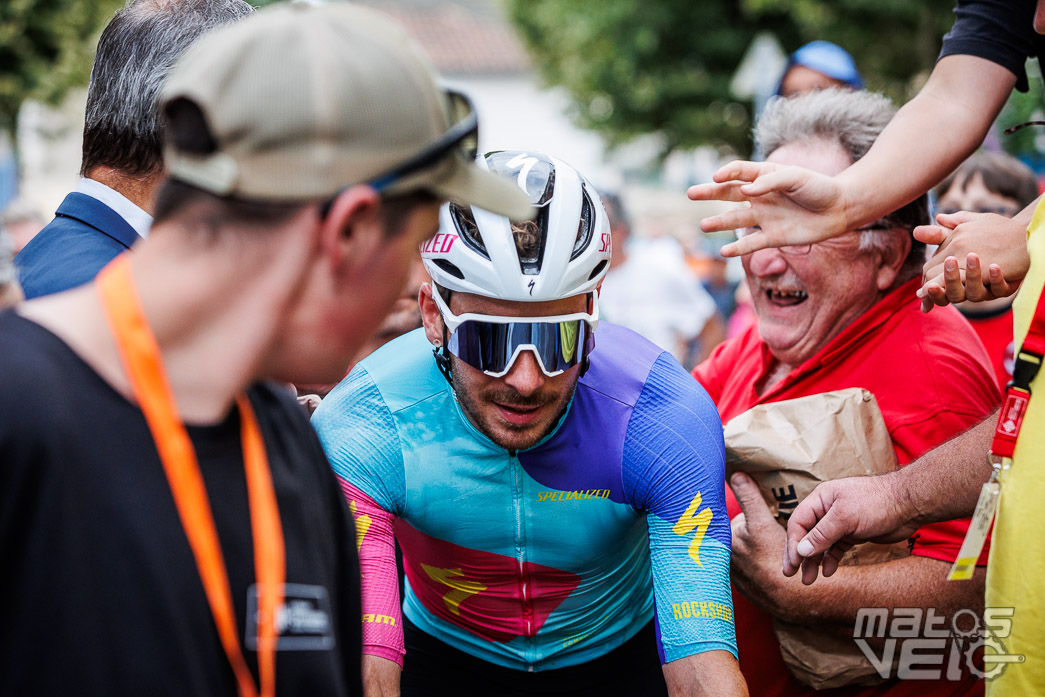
(303, 100)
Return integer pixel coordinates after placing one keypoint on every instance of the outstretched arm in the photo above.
(914, 581)
(943, 484)
(930, 136)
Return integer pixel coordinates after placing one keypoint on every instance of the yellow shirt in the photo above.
(1016, 572)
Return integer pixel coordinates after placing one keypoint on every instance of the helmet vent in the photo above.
(598, 269)
(468, 230)
(585, 226)
(449, 268)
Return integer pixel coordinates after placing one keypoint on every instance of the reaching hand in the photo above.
(841, 513)
(955, 272)
(791, 205)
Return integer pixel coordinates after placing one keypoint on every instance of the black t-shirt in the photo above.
(1001, 31)
(99, 591)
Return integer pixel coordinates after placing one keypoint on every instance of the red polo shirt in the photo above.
(996, 334)
(932, 379)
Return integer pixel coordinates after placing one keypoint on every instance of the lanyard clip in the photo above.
(1026, 369)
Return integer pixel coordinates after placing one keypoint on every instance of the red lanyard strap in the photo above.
(1017, 394)
(143, 364)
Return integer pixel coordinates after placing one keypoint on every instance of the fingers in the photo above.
(746, 245)
(785, 179)
(1000, 288)
(930, 234)
(975, 289)
(804, 518)
(832, 527)
(944, 289)
(742, 170)
(953, 282)
(728, 191)
(750, 498)
(833, 557)
(810, 567)
(953, 220)
(934, 294)
(730, 220)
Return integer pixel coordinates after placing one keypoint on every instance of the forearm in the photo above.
(911, 582)
(945, 483)
(710, 673)
(935, 132)
(380, 677)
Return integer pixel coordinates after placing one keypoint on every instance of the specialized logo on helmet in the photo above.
(531, 285)
(439, 243)
(522, 162)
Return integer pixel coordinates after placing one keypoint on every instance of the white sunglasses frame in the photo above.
(453, 321)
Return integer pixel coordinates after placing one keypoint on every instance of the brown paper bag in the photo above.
(788, 448)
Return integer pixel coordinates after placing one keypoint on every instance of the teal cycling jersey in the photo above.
(547, 557)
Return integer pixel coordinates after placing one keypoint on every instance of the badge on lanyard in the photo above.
(1010, 421)
(143, 363)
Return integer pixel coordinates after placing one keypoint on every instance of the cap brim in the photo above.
(469, 184)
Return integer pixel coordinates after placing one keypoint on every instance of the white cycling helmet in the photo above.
(475, 250)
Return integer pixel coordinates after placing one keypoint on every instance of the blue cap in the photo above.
(826, 58)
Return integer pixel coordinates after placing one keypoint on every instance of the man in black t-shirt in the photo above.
(168, 522)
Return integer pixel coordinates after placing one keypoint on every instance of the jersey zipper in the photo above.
(525, 590)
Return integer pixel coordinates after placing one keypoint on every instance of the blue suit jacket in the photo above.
(84, 236)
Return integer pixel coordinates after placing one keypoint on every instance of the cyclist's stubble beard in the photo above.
(478, 393)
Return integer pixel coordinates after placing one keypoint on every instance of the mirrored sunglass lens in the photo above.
(461, 109)
(489, 346)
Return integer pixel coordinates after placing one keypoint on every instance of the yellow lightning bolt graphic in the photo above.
(460, 590)
(690, 520)
(362, 525)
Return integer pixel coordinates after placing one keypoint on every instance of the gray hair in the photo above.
(853, 119)
(123, 127)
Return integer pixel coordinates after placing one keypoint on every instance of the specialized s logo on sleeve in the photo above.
(691, 520)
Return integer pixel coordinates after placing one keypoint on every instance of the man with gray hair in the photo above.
(122, 163)
(835, 315)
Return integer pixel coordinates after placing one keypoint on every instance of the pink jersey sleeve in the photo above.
(375, 540)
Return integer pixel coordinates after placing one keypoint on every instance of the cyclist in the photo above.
(559, 507)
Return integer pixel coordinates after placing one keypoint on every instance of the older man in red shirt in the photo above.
(838, 314)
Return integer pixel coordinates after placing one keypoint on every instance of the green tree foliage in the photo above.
(635, 66)
(46, 47)
(893, 41)
(664, 66)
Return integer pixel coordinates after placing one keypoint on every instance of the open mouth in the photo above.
(786, 298)
(518, 415)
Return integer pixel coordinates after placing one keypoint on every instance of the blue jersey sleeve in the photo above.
(674, 470)
(361, 440)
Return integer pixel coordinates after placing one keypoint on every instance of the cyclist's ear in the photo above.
(430, 315)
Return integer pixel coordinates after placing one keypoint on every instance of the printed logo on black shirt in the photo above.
(304, 621)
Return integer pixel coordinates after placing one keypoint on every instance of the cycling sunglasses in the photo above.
(492, 343)
(462, 138)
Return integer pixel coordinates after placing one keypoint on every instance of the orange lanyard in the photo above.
(144, 366)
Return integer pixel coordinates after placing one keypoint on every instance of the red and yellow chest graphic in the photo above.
(491, 595)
